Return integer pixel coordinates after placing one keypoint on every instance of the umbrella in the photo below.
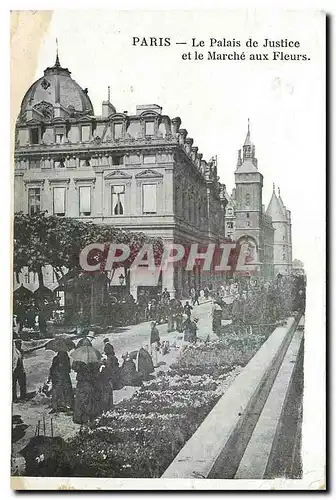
(60, 344)
(86, 354)
(83, 342)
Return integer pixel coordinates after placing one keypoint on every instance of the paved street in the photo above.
(126, 339)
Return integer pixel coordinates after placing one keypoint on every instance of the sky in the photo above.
(284, 100)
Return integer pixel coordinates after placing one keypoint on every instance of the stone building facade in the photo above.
(139, 172)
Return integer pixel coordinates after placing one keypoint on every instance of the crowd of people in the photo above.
(95, 379)
(244, 302)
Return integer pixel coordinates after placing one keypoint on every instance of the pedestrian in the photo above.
(193, 331)
(179, 316)
(88, 400)
(108, 348)
(128, 373)
(187, 309)
(165, 295)
(144, 364)
(196, 297)
(216, 317)
(111, 366)
(106, 385)
(59, 375)
(154, 342)
(236, 310)
(19, 374)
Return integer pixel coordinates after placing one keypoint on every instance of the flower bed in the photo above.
(142, 435)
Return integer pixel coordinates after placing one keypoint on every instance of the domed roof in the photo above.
(56, 87)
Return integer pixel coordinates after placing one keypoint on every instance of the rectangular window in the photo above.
(34, 136)
(149, 198)
(117, 130)
(117, 160)
(34, 164)
(149, 159)
(149, 128)
(118, 200)
(59, 163)
(247, 215)
(85, 200)
(85, 133)
(59, 135)
(84, 163)
(34, 200)
(59, 201)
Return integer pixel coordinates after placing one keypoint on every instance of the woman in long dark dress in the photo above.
(106, 385)
(144, 364)
(216, 316)
(61, 396)
(88, 392)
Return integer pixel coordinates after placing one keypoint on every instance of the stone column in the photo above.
(168, 183)
(99, 194)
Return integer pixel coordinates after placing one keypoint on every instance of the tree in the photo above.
(298, 263)
(42, 239)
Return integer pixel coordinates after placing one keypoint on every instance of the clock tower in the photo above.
(249, 210)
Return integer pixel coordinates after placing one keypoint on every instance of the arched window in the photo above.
(247, 199)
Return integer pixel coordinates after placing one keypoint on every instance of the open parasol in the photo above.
(83, 342)
(86, 354)
(60, 344)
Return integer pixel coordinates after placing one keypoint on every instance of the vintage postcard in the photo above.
(168, 260)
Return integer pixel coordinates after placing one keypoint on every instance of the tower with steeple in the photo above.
(251, 224)
(281, 221)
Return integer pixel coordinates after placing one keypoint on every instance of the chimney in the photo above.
(107, 109)
(176, 123)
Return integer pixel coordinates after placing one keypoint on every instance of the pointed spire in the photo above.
(109, 94)
(57, 63)
(248, 135)
(278, 191)
(273, 187)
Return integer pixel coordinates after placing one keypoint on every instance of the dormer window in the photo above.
(149, 128)
(59, 135)
(34, 135)
(117, 130)
(85, 133)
